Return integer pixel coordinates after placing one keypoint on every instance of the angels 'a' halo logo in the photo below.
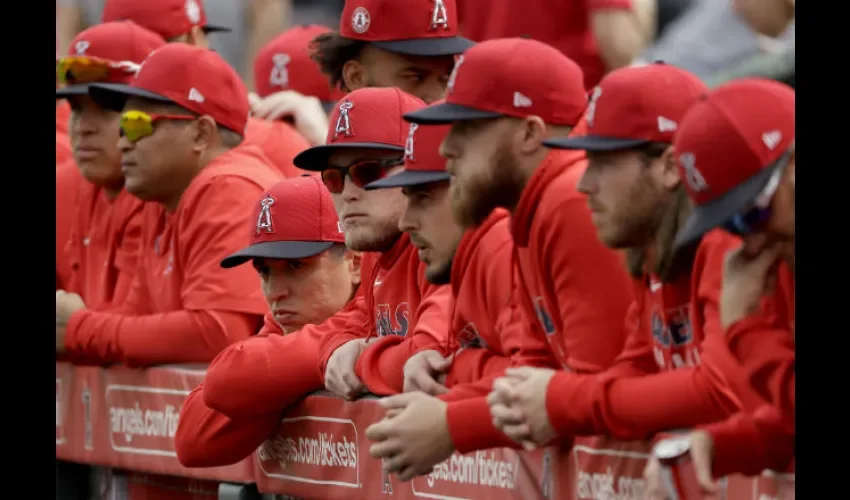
(360, 20)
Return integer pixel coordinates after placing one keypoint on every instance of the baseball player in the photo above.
(290, 85)
(736, 151)
(98, 222)
(182, 117)
(638, 202)
(185, 21)
(599, 35)
(486, 327)
(497, 159)
(409, 44)
(364, 143)
(307, 276)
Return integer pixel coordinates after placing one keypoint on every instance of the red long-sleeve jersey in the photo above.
(209, 438)
(762, 436)
(674, 320)
(405, 310)
(573, 291)
(182, 306)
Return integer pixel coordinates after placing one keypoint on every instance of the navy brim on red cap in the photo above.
(427, 47)
(594, 143)
(407, 178)
(316, 158)
(212, 28)
(446, 113)
(276, 250)
(714, 213)
(71, 90)
(114, 95)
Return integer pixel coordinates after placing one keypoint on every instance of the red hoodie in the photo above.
(280, 143)
(682, 392)
(574, 292)
(406, 311)
(183, 307)
(487, 325)
(761, 437)
(208, 438)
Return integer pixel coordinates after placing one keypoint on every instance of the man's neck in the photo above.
(204, 160)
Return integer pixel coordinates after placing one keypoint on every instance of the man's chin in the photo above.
(439, 274)
(362, 239)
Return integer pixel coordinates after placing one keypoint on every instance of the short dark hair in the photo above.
(331, 51)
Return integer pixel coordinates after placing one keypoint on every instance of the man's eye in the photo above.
(263, 271)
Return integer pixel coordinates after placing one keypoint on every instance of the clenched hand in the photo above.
(339, 373)
(518, 406)
(426, 371)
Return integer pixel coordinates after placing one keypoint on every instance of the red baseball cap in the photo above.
(515, 77)
(411, 27)
(168, 18)
(730, 147)
(368, 118)
(285, 64)
(195, 79)
(422, 161)
(294, 219)
(122, 43)
(635, 106)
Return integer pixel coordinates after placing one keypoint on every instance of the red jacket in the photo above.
(407, 313)
(762, 436)
(182, 306)
(573, 291)
(670, 323)
(208, 438)
(280, 143)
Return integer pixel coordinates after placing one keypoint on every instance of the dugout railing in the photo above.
(123, 419)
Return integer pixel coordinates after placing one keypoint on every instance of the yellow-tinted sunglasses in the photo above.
(137, 125)
(84, 69)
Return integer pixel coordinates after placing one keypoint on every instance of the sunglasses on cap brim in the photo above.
(361, 173)
(754, 217)
(137, 125)
(74, 70)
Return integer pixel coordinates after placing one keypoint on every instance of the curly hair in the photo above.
(331, 51)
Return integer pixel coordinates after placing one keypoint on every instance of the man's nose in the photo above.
(278, 287)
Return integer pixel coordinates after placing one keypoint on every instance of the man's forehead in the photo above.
(343, 157)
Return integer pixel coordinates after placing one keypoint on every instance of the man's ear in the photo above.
(354, 260)
(670, 176)
(197, 37)
(354, 75)
(205, 133)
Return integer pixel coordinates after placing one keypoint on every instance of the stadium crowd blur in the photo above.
(298, 163)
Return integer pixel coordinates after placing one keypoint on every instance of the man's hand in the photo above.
(306, 112)
(66, 305)
(746, 278)
(339, 373)
(652, 473)
(426, 371)
(518, 406)
(413, 437)
(702, 454)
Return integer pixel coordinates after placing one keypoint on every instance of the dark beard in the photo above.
(473, 203)
(441, 276)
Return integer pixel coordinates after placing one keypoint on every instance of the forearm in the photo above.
(173, 337)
